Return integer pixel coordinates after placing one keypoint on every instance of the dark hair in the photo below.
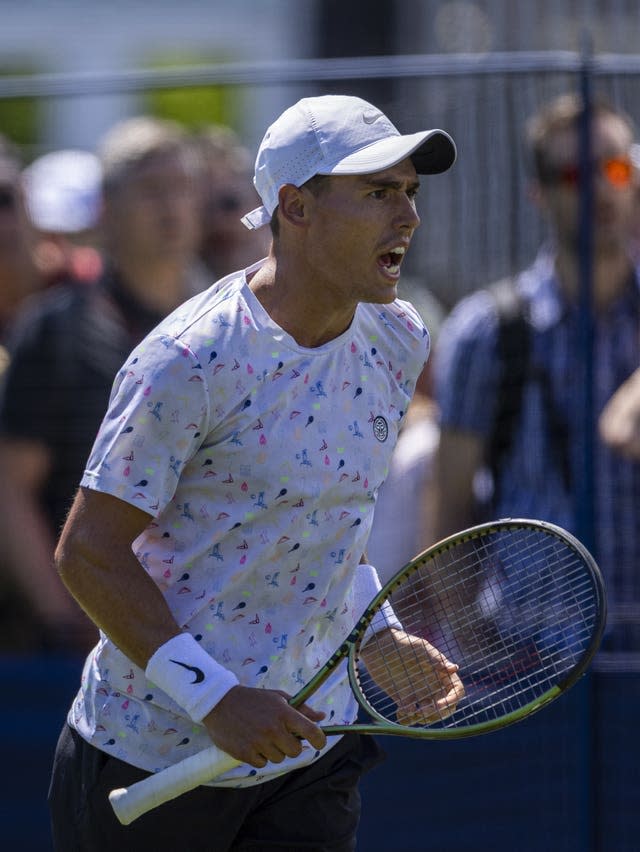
(562, 113)
(315, 185)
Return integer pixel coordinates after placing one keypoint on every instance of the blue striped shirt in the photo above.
(531, 483)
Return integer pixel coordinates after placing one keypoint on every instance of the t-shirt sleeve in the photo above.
(157, 417)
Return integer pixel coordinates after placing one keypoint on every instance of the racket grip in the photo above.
(129, 803)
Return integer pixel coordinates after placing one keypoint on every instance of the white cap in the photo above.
(337, 135)
(63, 191)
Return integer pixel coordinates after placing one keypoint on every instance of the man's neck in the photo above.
(611, 273)
(159, 286)
(296, 309)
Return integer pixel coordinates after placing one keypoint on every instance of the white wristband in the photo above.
(365, 587)
(190, 676)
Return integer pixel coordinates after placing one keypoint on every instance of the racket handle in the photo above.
(129, 803)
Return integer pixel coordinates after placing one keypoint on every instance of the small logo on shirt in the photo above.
(199, 674)
(380, 428)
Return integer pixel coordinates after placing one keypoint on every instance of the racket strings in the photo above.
(514, 609)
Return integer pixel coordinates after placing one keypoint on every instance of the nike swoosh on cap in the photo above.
(199, 674)
(370, 117)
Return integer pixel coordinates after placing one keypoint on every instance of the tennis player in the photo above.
(218, 535)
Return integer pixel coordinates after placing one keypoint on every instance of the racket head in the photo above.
(518, 604)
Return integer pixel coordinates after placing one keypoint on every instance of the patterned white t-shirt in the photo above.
(260, 461)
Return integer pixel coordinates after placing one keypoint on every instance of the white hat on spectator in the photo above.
(63, 191)
(337, 135)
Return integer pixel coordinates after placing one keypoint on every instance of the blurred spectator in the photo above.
(66, 348)
(62, 191)
(227, 192)
(19, 276)
(403, 524)
(539, 464)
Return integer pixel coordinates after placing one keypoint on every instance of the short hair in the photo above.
(562, 113)
(131, 142)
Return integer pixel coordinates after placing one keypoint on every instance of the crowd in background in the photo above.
(505, 427)
(96, 247)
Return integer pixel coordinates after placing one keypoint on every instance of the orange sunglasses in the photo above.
(618, 171)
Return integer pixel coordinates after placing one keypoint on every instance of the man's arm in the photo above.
(619, 422)
(95, 560)
(96, 563)
(27, 545)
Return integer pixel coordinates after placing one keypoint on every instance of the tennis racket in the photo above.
(518, 605)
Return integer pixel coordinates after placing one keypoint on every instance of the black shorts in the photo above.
(314, 808)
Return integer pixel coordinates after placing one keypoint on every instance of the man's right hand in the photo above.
(258, 726)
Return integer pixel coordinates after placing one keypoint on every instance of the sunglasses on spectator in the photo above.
(225, 203)
(618, 171)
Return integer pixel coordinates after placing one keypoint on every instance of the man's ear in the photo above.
(292, 205)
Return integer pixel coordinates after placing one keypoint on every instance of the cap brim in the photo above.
(431, 151)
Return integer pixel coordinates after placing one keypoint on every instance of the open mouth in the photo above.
(391, 260)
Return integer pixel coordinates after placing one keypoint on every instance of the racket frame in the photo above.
(351, 645)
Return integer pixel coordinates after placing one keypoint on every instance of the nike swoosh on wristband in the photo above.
(370, 117)
(199, 674)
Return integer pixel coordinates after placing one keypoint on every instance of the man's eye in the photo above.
(379, 193)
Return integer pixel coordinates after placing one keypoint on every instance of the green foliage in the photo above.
(193, 106)
(20, 117)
